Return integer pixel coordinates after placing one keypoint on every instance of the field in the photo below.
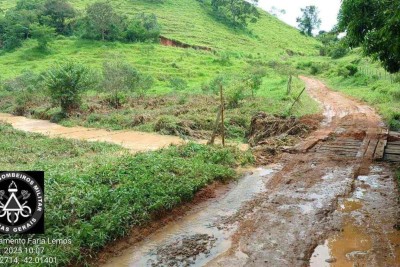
(93, 187)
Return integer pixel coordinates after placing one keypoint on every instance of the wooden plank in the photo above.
(396, 134)
(346, 146)
(380, 149)
(395, 143)
(392, 151)
(339, 149)
(390, 157)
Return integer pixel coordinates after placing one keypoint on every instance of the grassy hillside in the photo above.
(185, 20)
(235, 51)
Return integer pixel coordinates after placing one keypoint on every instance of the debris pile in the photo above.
(269, 134)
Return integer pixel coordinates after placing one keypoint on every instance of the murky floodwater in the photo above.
(202, 227)
(364, 232)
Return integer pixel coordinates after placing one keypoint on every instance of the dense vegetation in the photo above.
(374, 25)
(95, 192)
(42, 19)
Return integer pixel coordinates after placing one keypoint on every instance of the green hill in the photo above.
(268, 44)
(185, 20)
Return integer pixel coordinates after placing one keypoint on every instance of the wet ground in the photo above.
(132, 140)
(325, 203)
(203, 233)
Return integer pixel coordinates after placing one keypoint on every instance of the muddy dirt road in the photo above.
(324, 204)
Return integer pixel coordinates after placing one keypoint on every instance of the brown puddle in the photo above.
(133, 140)
(350, 205)
(346, 249)
(368, 236)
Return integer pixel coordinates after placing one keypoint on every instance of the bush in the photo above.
(352, 69)
(315, 69)
(338, 51)
(177, 83)
(102, 22)
(143, 28)
(395, 93)
(235, 93)
(223, 59)
(66, 82)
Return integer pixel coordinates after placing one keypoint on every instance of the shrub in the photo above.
(43, 34)
(177, 83)
(338, 51)
(66, 82)
(235, 93)
(352, 69)
(102, 22)
(395, 93)
(315, 69)
(143, 28)
(25, 88)
(223, 59)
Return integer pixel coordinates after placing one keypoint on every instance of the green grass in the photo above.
(236, 50)
(189, 115)
(96, 192)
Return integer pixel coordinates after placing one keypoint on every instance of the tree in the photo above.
(143, 28)
(43, 34)
(375, 26)
(120, 77)
(58, 12)
(102, 22)
(15, 26)
(66, 82)
(238, 12)
(309, 21)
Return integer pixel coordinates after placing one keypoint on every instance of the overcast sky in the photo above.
(328, 10)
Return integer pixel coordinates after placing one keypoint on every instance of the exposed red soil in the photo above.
(175, 43)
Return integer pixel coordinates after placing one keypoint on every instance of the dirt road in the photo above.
(324, 204)
(330, 205)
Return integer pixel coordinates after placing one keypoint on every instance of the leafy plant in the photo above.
(66, 82)
(143, 28)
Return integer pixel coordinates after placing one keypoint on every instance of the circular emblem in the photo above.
(21, 202)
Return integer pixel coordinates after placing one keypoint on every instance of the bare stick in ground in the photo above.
(222, 114)
(297, 99)
(212, 140)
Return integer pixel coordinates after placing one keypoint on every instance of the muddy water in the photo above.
(367, 236)
(203, 227)
(132, 140)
